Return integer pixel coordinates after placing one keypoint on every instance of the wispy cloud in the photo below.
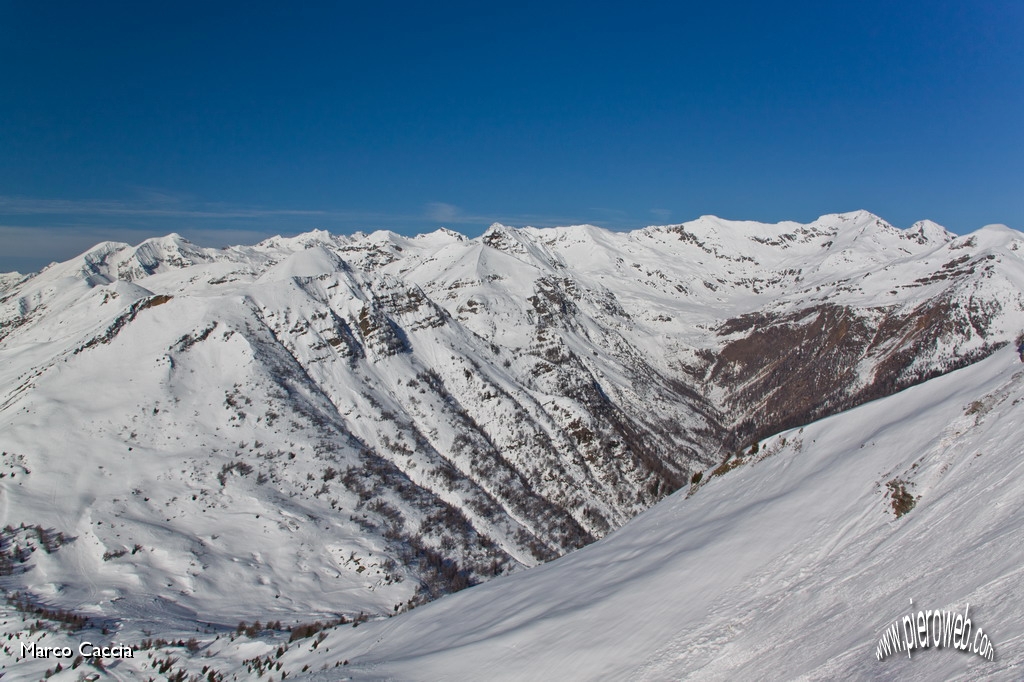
(441, 212)
(141, 208)
(444, 214)
(158, 204)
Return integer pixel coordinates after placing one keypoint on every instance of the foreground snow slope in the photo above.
(789, 566)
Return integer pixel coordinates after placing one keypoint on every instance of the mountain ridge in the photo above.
(436, 410)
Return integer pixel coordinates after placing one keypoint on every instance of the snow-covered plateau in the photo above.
(777, 435)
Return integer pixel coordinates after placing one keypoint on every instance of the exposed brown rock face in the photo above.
(794, 368)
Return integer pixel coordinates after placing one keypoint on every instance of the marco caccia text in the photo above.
(85, 650)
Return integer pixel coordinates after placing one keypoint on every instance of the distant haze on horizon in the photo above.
(70, 243)
(231, 123)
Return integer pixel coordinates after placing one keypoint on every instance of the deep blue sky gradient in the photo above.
(230, 121)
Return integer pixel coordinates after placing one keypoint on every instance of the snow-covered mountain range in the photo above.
(325, 426)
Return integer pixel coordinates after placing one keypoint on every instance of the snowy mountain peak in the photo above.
(313, 260)
(98, 254)
(9, 279)
(276, 247)
(926, 231)
(314, 237)
(999, 232)
(858, 217)
(445, 233)
(1002, 229)
(172, 239)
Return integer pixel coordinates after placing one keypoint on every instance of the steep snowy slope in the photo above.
(789, 563)
(792, 564)
(346, 425)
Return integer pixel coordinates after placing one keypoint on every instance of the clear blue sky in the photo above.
(230, 121)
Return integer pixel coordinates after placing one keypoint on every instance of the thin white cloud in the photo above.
(161, 195)
(612, 214)
(446, 214)
(140, 208)
(441, 212)
(157, 204)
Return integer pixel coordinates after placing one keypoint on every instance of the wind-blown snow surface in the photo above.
(791, 565)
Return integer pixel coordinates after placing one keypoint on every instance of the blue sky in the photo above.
(231, 121)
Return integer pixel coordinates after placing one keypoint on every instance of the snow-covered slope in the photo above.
(790, 565)
(790, 562)
(345, 425)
